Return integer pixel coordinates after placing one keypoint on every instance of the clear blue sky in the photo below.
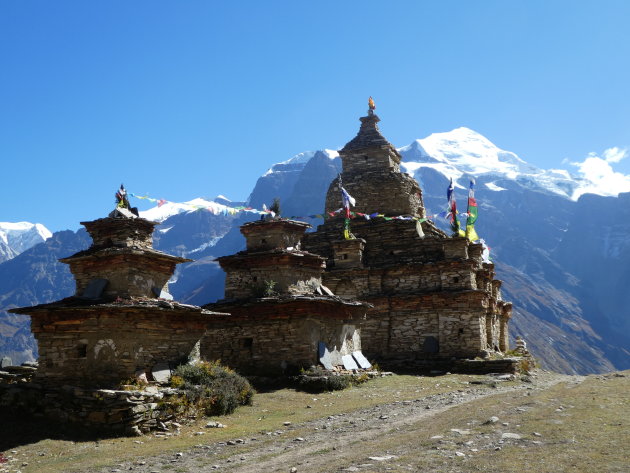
(199, 98)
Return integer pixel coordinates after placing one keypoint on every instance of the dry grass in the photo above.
(45, 454)
(578, 428)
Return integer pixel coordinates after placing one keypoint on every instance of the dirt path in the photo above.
(335, 440)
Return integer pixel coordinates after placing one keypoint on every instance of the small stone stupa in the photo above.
(281, 316)
(121, 323)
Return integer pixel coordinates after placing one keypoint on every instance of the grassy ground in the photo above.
(577, 426)
(582, 428)
(46, 451)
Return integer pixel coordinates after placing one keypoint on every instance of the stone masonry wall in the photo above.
(273, 346)
(401, 325)
(103, 347)
(403, 197)
(387, 242)
(109, 411)
(427, 291)
(292, 272)
(121, 232)
(129, 275)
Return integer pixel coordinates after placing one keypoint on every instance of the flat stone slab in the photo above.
(161, 372)
(361, 360)
(349, 363)
(324, 356)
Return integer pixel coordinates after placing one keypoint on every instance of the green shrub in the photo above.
(265, 289)
(213, 388)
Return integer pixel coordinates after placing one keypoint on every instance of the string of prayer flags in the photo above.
(220, 209)
(471, 234)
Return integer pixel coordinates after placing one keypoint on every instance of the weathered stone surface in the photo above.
(361, 360)
(280, 335)
(161, 372)
(349, 363)
(115, 411)
(324, 356)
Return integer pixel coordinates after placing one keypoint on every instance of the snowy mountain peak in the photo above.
(464, 152)
(331, 153)
(17, 237)
(298, 161)
(161, 213)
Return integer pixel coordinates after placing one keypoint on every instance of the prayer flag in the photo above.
(451, 215)
(471, 234)
(347, 200)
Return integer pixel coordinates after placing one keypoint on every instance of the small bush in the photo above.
(213, 388)
(526, 365)
(265, 289)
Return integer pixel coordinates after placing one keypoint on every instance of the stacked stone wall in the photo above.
(270, 234)
(104, 410)
(128, 274)
(245, 283)
(387, 242)
(403, 196)
(405, 325)
(121, 232)
(102, 348)
(279, 345)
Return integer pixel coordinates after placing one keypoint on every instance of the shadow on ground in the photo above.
(18, 429)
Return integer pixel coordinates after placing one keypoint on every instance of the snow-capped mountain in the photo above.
(160, 213)
(464, 152)
(298, 161)
(18, 237)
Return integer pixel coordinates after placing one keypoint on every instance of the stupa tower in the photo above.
(433, 296)
(371, 174)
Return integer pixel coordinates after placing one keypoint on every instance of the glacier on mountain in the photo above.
(463, 152)
(17, 237)
(169, 209)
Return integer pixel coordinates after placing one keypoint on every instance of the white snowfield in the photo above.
(464, 152)
(159, 214)
(17, 237)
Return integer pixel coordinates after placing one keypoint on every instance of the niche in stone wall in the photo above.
(81, 349)
(431, 345)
